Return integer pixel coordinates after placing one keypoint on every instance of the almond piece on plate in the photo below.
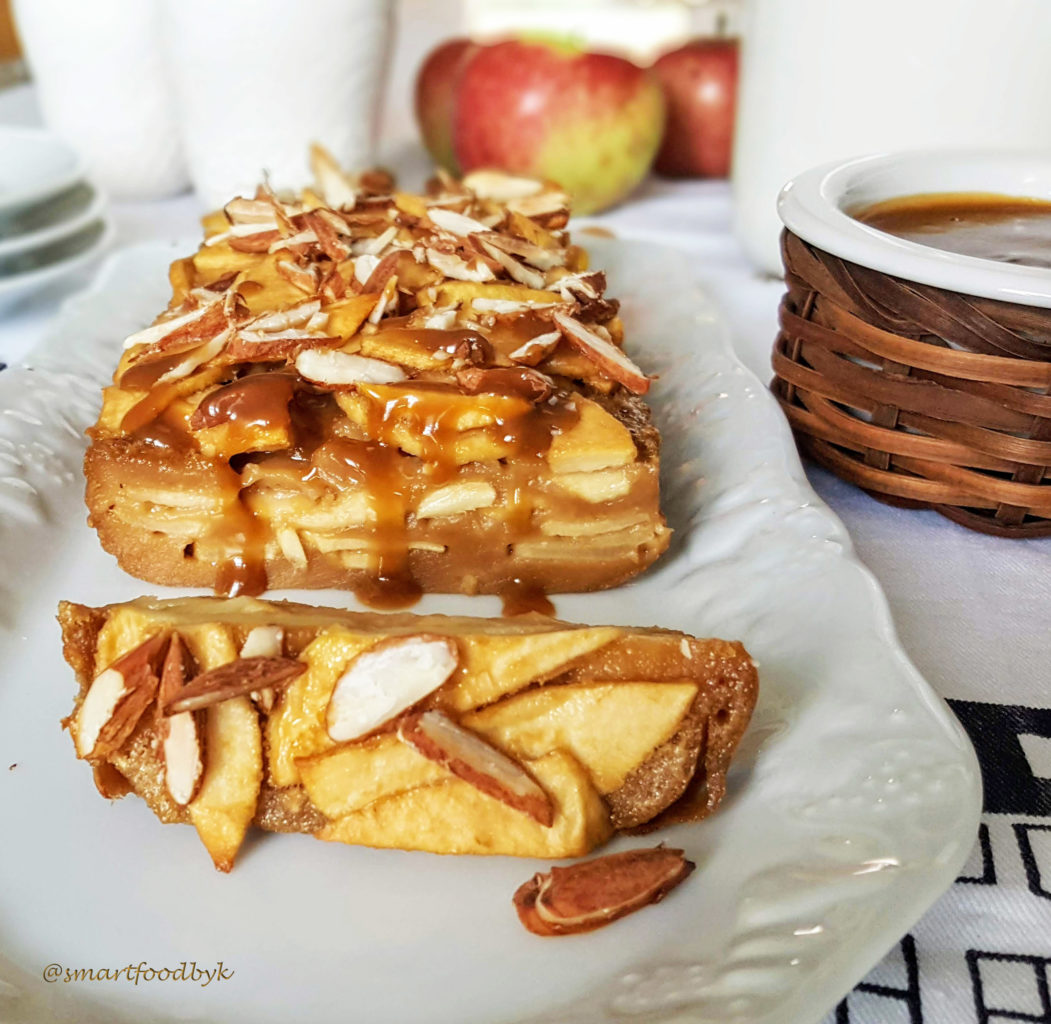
(595, 892)
(180, 734)
(438, 738)
(605, 355)
(385, 680)
(234, 679)
(117, 698)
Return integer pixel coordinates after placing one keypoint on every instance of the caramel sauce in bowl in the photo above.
(964, 221)
(1006, 229)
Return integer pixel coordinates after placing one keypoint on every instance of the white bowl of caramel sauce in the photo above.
(966, 221)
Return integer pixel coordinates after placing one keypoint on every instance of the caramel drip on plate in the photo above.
(521, 598)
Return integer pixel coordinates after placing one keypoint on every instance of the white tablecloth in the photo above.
(974, 614)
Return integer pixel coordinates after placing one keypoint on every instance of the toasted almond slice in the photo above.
(484, 305)
(335, 186)
(364, 266)
(234, 679)
(304, 278)
(587, 285)
(540, 205)
(242, 210)
(375, 246)
(454, 223)
(606, 356)
(536, 349)
(331, 244)
(159, 331)
(301, 238)
(534, 255)
(180, 734)
(264, 642)
(595, 892)
(519, 272)
(282, 320)
(501, 187)
(195, 358)
(385, 680)
(117, 698)
(438, 738)
(341, 369)
(458, 268)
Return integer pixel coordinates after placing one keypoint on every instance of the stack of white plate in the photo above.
(52, 219)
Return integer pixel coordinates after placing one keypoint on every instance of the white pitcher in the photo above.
(829, 79)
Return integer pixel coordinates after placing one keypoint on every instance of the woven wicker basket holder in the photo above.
(924, 397)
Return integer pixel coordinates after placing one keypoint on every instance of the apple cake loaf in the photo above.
(382, 392)
(524, 736)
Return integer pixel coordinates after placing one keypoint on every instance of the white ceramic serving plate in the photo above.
(816, 204)
(853, 803)
(36, 164)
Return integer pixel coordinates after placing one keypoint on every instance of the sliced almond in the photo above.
(341, 369)
(438, 738)
(264, 642)
(304, 278)
(301, 239)
(536, 349)
(180, 734)
(117, 698)
(588, 895)
(332, 182)
(364, 266)
(501, 187)
(454, 223)
(195, 358)
(234, 679)
(505, 306)
(257, 241)
(375, 246)
(458, 268)
(387, 302)
(241, 211)
(387, 679)
(519, 272)
(331, 244)
(282, 320)
(534, 255)
(166, 328)
(588, 285)
(256, 347)
(541, 205)
(606, 356)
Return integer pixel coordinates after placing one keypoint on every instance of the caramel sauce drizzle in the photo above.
(456, 374)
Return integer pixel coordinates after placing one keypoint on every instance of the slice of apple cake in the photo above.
(383, 392)
(525, 736)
